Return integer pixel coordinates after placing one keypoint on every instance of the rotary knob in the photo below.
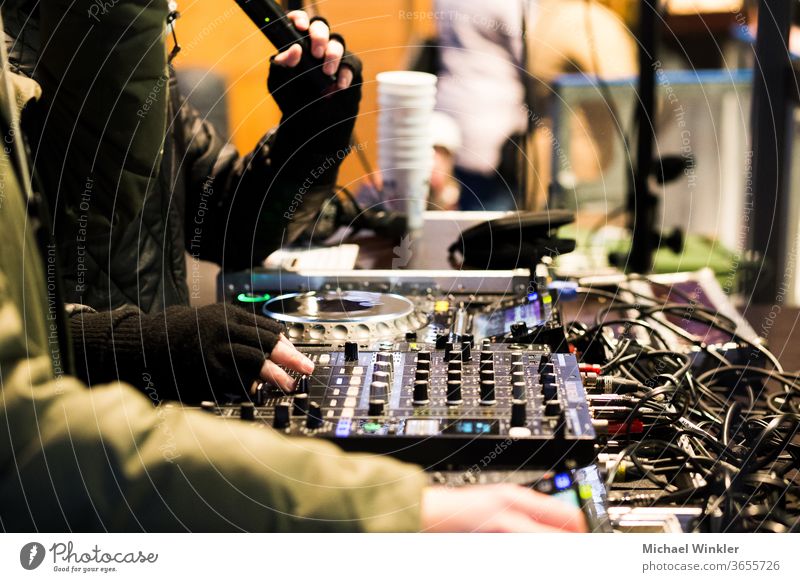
(300, 405)
(466, 349)
(378, 390)
(519, 330)
(487, 388)
(422, 375)
(208, 406)
(518, 391)
(314, 416)
(247, 411)
(552, 407)
(441, 341)
(448, 351)
(543, 361)
(487, 375)
(376, 407)
(350, 351)
(453, 375)
(516, 358)
(424, 365)
(421, 396)
(519, 413)
(549, 391)
(301, 386)
(281, 418)
(454, 392)
(547, 378)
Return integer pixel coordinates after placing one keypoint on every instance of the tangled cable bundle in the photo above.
(714, 434)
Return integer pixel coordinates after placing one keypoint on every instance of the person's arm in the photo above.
(86, 460)
(184, 353)
(269, 197)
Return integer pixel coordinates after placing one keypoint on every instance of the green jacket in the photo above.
(73, 459)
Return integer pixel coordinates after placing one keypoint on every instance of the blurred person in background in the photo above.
(498, 88)
(444, 189)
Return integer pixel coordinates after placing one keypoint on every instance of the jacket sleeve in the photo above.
(106, 459)
(240, 209)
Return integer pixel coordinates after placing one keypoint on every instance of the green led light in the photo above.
(266, 19)
(248, 298)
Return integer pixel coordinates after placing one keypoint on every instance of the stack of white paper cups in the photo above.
(405, 141)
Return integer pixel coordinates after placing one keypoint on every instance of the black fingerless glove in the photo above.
(313, 137)
(183, 353)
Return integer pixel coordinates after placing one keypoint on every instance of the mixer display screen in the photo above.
(534, 312)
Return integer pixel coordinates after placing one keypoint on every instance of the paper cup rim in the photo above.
(406, 78)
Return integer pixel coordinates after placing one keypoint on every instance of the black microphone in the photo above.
(271, 20)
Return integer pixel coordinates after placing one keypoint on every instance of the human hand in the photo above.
(329, 49)
(497, 508)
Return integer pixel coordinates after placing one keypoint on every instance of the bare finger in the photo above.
(320, 35)
(333, 57)
(286, 355)
(290, 57)
(345, 78)
(272, 373)
(300, 19)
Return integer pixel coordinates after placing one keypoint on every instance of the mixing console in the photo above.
(454, 406)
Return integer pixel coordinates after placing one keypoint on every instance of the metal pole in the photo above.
(641, 202)
(772, 111)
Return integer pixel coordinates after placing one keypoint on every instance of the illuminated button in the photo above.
(324, 359)
(253, 297)
(519, 432)
(371, 427)
(562, 481)
(441, 306)
(358, 370)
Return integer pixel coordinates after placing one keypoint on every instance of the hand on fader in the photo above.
(185, 353)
